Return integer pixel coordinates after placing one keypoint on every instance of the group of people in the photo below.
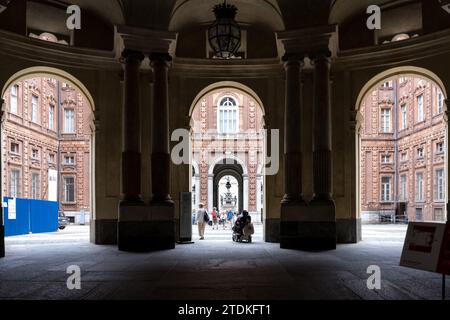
(223, 218)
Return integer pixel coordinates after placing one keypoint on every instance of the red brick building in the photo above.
(46, 138)
(227, 127)
(403, 150)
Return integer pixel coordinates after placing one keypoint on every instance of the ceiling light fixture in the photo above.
(224, 34)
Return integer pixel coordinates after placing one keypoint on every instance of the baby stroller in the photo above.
(243, 228)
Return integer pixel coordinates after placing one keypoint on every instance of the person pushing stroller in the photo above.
(243, 228)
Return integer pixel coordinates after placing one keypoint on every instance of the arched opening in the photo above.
(227, 132)
(402, 150)
(47, 139)
(222, 172)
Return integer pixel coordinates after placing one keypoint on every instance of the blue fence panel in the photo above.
(44, 216)
(19, 225)
(36, 216)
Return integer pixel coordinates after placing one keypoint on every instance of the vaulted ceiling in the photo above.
(275, 14)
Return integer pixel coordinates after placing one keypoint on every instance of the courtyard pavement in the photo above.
(215, 268)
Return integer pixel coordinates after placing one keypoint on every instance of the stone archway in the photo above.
(75, 147)
(395, 192)
(235, 170)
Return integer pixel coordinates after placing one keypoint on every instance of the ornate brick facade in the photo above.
(33, 137)
(403, 150)
(243, 147)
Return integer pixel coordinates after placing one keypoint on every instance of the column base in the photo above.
(104, 231)
(146, 228)
(348, 230)
(272, 230)
(308, 227)
(2, 241)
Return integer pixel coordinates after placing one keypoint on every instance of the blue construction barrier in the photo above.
(32, 216)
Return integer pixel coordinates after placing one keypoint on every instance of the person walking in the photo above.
(230, 218)
(223, 219)
(214, 216)
(201, 221)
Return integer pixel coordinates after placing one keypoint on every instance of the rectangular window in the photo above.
(35, 186)
(70, 160)
(34, 109)
(404, 112)
(385, 158)
(440, 101)
(69, 189)
(403, 190)
(385, 120)
(13, 101)
(438, 214)
(69, 121)
(51, 117)
(404, 157)
(35, 154)
(15, 184)
(420, 111)
(385, 189)
(419, 214)
(386, 84)
(420, 153)
(439, 147)
(51, 158)
(419, 186)
(14, 148)
(440, 185)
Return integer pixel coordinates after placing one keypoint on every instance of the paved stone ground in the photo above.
(216, 268)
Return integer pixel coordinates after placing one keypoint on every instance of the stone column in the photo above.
(292, 205)
(293, 65)
(131, 208)
(131, 155)
(147, 227)
(446, 118)
(259, 179)
(312, 226)
(2, 227)
(322, 225)
(245, 192)
(197, 190)
(210, 192)
(322, 170)
(160, 133)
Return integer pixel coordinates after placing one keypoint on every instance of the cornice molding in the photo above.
(43, 52)
(394, 53)
(211, 68)
(146, 41)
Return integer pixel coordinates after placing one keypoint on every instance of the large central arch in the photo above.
(240, 152)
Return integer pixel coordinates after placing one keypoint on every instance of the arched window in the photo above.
(227, 118)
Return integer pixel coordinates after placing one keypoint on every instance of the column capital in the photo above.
(160, 58)
(293, 57)
(131, 56)
(309, 40)
(320, 55)
(146, 40)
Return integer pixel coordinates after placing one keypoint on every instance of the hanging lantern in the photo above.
(224, 34)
